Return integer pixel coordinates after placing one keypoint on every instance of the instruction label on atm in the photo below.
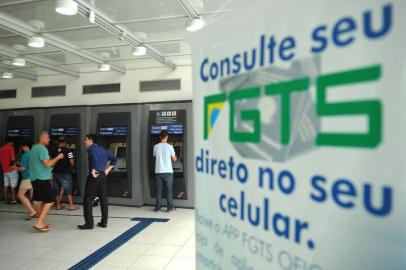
(64, 131)
(171, 128)
(166, 117)
(170, 120)
(113, 131)
(23, 132)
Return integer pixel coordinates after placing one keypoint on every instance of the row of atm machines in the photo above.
(127, 131)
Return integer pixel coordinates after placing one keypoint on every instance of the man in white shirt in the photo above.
(164, 153)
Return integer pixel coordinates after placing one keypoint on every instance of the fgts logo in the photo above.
(372, 109)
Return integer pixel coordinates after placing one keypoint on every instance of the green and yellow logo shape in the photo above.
(212, 108)
(372, 109)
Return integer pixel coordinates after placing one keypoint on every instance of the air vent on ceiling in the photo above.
(160, 85)
(48, 91)
(12, 93)
(101, 88)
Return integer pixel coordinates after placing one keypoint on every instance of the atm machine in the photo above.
(175, 118)
(68, 125)
(117, 129)
(22, 125)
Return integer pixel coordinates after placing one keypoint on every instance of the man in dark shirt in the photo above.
(99, 168)
(63, 175)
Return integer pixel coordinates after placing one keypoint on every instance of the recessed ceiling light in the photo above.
(7, 75)
(139, 51)
(66, 7)
(194, 24)
(36, 42)
(104, 67)
(20, 62)
(92, 17)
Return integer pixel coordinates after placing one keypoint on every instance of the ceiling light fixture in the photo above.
(36, 42)
(20, 62)
(104, 67)
(66, 7)
(139, 51)
(92, 16)
(7, 75)
(194, 24)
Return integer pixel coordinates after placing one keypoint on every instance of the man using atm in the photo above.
(164, 153)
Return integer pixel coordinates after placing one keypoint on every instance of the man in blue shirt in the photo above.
(99, 168)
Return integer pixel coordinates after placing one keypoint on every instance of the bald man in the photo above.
(40, 165)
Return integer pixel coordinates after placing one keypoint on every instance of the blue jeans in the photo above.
(64, 180)
(160, 178)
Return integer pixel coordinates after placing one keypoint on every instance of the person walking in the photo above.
(26, 185)
(101, 162)
(40, 165)
(164, 153)
(7, 160)
(62, 174)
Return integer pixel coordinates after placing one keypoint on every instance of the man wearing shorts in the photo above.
(7, 159)
(40, 165)
(62, 174)
(26, 185)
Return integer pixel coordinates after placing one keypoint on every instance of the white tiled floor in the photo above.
(166, 246)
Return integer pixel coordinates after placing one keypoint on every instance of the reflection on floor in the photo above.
(166, 246)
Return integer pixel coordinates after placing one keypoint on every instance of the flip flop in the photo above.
(74, 208)
(31, 217)
(43, 229)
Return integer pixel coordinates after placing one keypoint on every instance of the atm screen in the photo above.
(19, 133)
(65, 131)
(171, 128)
(113, 131)
(121, 152)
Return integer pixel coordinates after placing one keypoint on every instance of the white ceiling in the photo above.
(162, 21)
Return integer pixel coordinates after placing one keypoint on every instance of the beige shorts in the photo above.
(26, 184)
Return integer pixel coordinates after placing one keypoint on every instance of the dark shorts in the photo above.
(42, 191)
(64, 180)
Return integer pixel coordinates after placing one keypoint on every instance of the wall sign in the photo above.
(299, 136)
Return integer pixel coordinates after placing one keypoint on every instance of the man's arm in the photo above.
(13, 159)
(71, 158)
(113, 162)
(173, 154)
(20, 169)
(51, 162)
(13, 154)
